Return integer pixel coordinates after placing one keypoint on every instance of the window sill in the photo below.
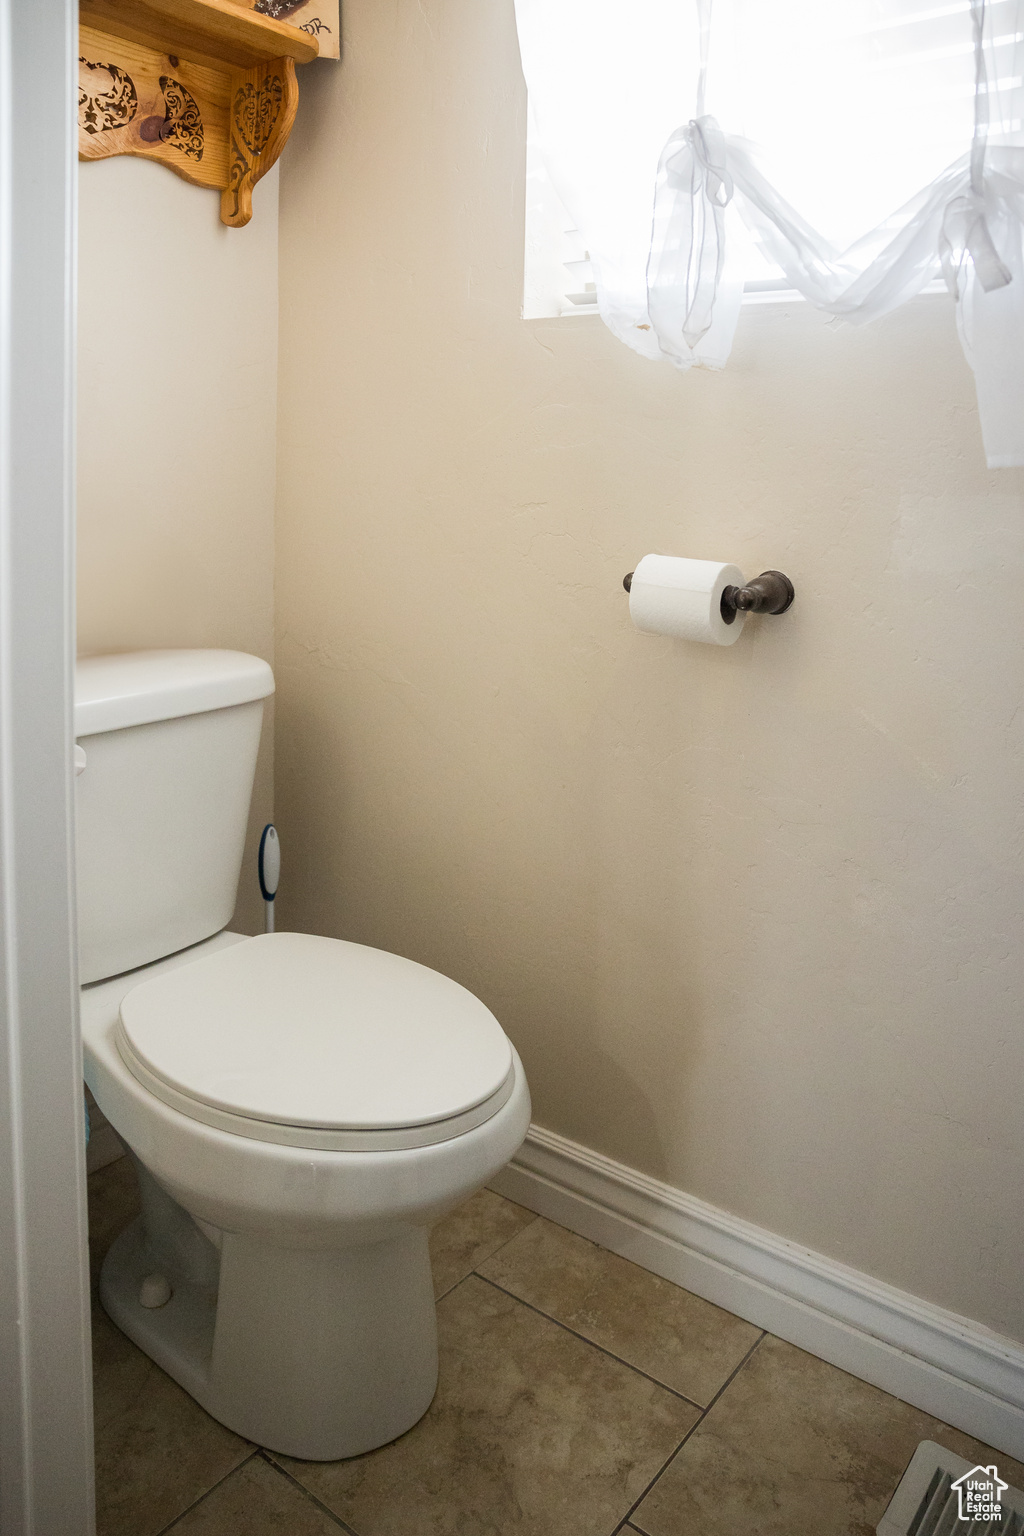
(758, 293)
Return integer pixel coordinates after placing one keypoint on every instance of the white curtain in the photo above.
(858, 148)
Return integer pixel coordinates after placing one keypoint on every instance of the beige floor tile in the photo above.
(795, 1447)
(156, 1449)
(257, 1500)
(671, 1334)
(533, 1433)
(479, 1227)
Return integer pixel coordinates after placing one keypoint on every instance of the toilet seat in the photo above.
(313, 1042)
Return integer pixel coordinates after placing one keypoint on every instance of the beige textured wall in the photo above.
(176, 416)
(751, 915)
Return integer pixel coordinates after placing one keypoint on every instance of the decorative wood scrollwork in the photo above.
(219, 126)
(263, 107)
(183, 121)
(254, 111)
(103, 105)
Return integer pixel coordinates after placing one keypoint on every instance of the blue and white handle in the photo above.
(269, 869)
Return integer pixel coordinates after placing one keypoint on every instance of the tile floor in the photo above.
(579, 1396)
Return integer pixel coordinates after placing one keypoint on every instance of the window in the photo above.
(906, 80)
(852, 150)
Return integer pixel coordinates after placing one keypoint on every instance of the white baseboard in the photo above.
(946, 1365)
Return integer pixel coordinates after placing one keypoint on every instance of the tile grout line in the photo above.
(626, 1522)
(489, 1256)
(212, 1489)
(268, 1457)
(453, 1287)
(600, 1347)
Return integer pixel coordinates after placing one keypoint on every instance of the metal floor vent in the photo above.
(942, 1495)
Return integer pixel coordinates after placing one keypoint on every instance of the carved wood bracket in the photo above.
(215, 107)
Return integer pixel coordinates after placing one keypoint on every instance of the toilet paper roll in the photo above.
(672, 596)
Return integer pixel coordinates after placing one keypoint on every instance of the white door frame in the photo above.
(46, 1457)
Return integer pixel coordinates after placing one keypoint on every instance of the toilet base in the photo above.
(319, 1354)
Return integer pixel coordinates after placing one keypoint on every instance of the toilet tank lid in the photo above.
(136, 687)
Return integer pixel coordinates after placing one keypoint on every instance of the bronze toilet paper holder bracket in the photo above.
(771, 592)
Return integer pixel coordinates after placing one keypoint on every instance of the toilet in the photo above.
(300, 1109)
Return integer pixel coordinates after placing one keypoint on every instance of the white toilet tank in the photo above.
(170, 741)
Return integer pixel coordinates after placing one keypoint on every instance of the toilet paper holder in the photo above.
(771, 592)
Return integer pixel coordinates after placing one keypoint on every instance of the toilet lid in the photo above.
(295, 1030)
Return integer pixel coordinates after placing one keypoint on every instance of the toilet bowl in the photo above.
(300, 1109)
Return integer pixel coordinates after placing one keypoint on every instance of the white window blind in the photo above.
(558, 278)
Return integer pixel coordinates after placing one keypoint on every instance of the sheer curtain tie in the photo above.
(684, 270)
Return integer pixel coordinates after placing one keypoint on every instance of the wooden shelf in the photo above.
(207, 87)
